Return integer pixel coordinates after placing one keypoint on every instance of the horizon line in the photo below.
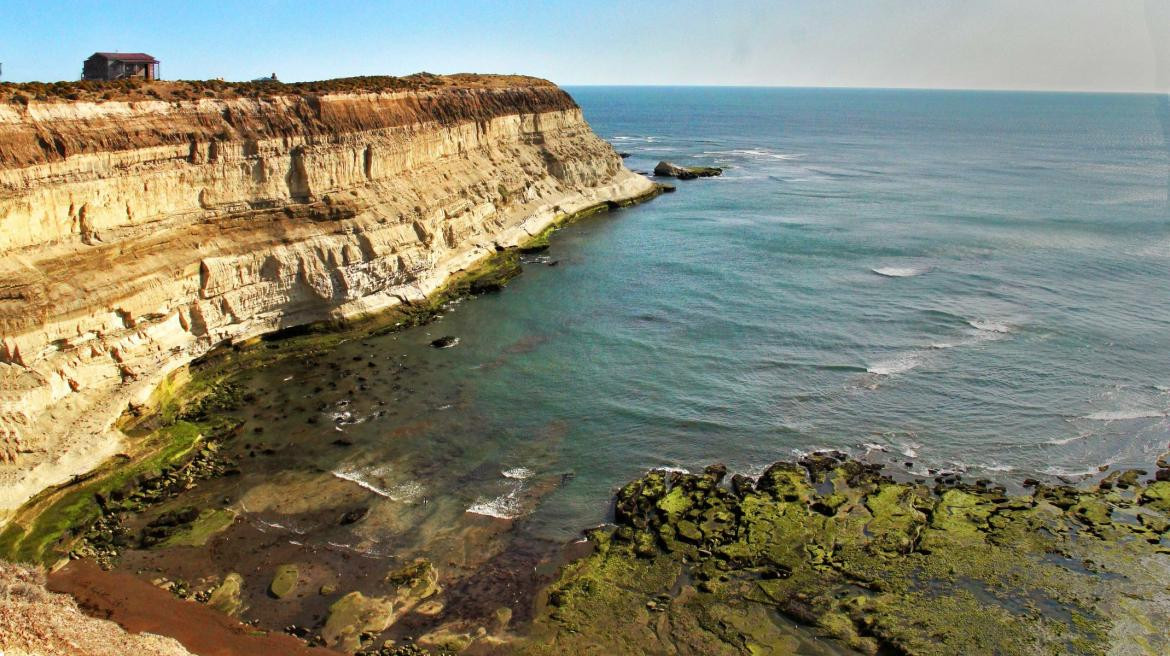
(872, 88)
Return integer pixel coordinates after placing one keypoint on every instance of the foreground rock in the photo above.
(34, 621)
(669, 170)
(830, 548)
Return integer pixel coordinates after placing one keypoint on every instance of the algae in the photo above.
(284, 581)
(226, 597)
(833, 549)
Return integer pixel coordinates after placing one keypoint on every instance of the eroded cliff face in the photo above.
(136, 236)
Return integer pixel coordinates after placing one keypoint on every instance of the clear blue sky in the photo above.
(1110, 45)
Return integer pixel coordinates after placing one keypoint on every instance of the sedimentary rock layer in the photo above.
(135, 236)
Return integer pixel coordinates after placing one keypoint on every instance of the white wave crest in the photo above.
(990, 327)
(752, 152)
(909, 449)
(1068, 473)
(1122, 415)
(1061, 441)
(505, 506)
(900, 272)
(894, 366)
(375, 480)
(407, 492)
(520, 473)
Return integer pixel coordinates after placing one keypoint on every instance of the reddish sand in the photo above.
(139, 607)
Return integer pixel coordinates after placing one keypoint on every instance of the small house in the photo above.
(120, 66)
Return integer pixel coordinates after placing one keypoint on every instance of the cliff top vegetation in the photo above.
(177, 90)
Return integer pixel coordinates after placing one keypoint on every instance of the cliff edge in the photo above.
(135, 235)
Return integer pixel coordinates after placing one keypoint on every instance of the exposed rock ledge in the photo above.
(135, 236)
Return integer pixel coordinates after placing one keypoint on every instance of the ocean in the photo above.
(939, 281)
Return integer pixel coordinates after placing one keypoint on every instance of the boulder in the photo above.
(666, 169)
(226, 598)
(284, 581)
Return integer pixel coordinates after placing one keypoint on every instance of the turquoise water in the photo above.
(973, 282)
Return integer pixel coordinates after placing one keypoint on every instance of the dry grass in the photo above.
(131, 90)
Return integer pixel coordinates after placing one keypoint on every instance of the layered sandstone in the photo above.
(135, 236)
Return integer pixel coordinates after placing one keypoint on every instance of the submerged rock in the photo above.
(353, 615)
(666, 169)
(354, 516)
(446, 341)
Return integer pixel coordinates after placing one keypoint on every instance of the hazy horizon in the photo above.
(1004, 45)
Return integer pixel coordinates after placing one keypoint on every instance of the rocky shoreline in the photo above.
(826, 555)
(870, 564)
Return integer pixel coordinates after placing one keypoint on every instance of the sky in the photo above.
(1080, 45)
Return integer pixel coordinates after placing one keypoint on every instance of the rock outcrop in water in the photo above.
(828, 556)
(670, 170)
(135, 236)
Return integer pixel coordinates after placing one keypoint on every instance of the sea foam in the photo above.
(894, 366)
(900, 272)
(1122, 415)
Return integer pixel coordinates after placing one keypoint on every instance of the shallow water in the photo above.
(962, 281)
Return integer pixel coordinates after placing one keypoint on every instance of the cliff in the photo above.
(135, 235)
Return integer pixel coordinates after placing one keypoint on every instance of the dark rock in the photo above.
(716, 472)
(669, 170)
(445, 342)
(354, 516)
(741, 485)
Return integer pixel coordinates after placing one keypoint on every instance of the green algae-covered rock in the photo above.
(828, 556)
(284, 581)
(226, 597)
(415, 581)
(353, 615)
(1157, 496)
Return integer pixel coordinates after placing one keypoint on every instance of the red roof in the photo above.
(127, 56)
